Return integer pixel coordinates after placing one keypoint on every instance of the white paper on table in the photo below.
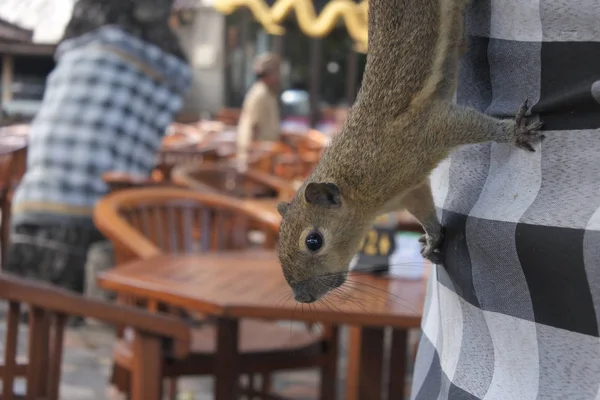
(406, 261)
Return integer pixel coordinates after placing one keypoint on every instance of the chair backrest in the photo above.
(118, 181)
(228, 116)
(262, 156)
(168, 158)
(49, 308)
(310, 148)
(313, 143)
(144, 222)
(227, 179)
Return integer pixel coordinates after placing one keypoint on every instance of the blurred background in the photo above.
(320, 75)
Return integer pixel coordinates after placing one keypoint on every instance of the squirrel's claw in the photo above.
(431, 247)
(526, 135)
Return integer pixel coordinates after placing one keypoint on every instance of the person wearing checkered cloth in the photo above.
(514, 313)
(107, 105)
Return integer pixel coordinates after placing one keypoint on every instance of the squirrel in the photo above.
(401, 126)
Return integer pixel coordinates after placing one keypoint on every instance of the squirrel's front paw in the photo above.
(526, 135)
(431, 246)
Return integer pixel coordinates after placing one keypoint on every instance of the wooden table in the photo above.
(264, 204)
(230, 286)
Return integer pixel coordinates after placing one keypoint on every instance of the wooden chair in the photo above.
(263, 156)
(155, 338)
(119, 181)
(228, 180)
(310, 149)
(307, 150)
(161, 175)
(274, 151)
(12, 168)
(169, 158)
(229, 116)
(142, 223)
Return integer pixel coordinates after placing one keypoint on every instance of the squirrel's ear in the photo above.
(282, 208)
(323, 194)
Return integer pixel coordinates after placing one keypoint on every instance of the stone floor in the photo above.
(87, 363)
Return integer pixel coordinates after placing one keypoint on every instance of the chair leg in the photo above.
(172, 389)
(266, 383)
(4, 227)
(121, 379)
(257, 385)
(146, 376)
(329, 368)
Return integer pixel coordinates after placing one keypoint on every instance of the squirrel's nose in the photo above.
(302, 292)
(312, 289)
(304, 298)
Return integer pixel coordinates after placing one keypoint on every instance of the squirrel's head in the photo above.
(318, 237)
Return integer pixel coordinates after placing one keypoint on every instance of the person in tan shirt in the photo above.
(259, 120)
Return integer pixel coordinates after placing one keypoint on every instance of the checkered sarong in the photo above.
(106, 107)
(515, 314)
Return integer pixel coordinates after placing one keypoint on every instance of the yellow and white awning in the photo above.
(353, 14)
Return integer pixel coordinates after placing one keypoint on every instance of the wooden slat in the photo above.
(227, 364)
(37, 335)
(220, 230)
(9, 369)
(19, 370)
(398, 360)
(188, 229)
(205, 219)
(56, 354)
(353, 363)
(61, 301)
(44, 366)
(370, 381)
(329, 369)
(147, 374)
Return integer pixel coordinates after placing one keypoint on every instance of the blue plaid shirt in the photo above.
(106, 107)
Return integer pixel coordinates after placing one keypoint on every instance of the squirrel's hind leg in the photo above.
(419, 202)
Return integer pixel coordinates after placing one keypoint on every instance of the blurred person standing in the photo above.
(119, 79)
(260, 120)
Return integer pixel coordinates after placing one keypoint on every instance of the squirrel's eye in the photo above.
(314, 241)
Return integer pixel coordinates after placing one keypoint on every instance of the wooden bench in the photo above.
(155, 337)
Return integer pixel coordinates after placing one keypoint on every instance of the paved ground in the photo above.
(87, 363)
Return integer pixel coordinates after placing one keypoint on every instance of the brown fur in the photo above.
(402, 125)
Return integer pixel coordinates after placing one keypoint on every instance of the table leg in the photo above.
(365, 364)
(329, 375)
(398, 358)
(147, 368)
(37, 337)
(371, 356)
(227, 360)
(352, 363)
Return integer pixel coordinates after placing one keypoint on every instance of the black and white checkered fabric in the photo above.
(106, 107)
(515, 314)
